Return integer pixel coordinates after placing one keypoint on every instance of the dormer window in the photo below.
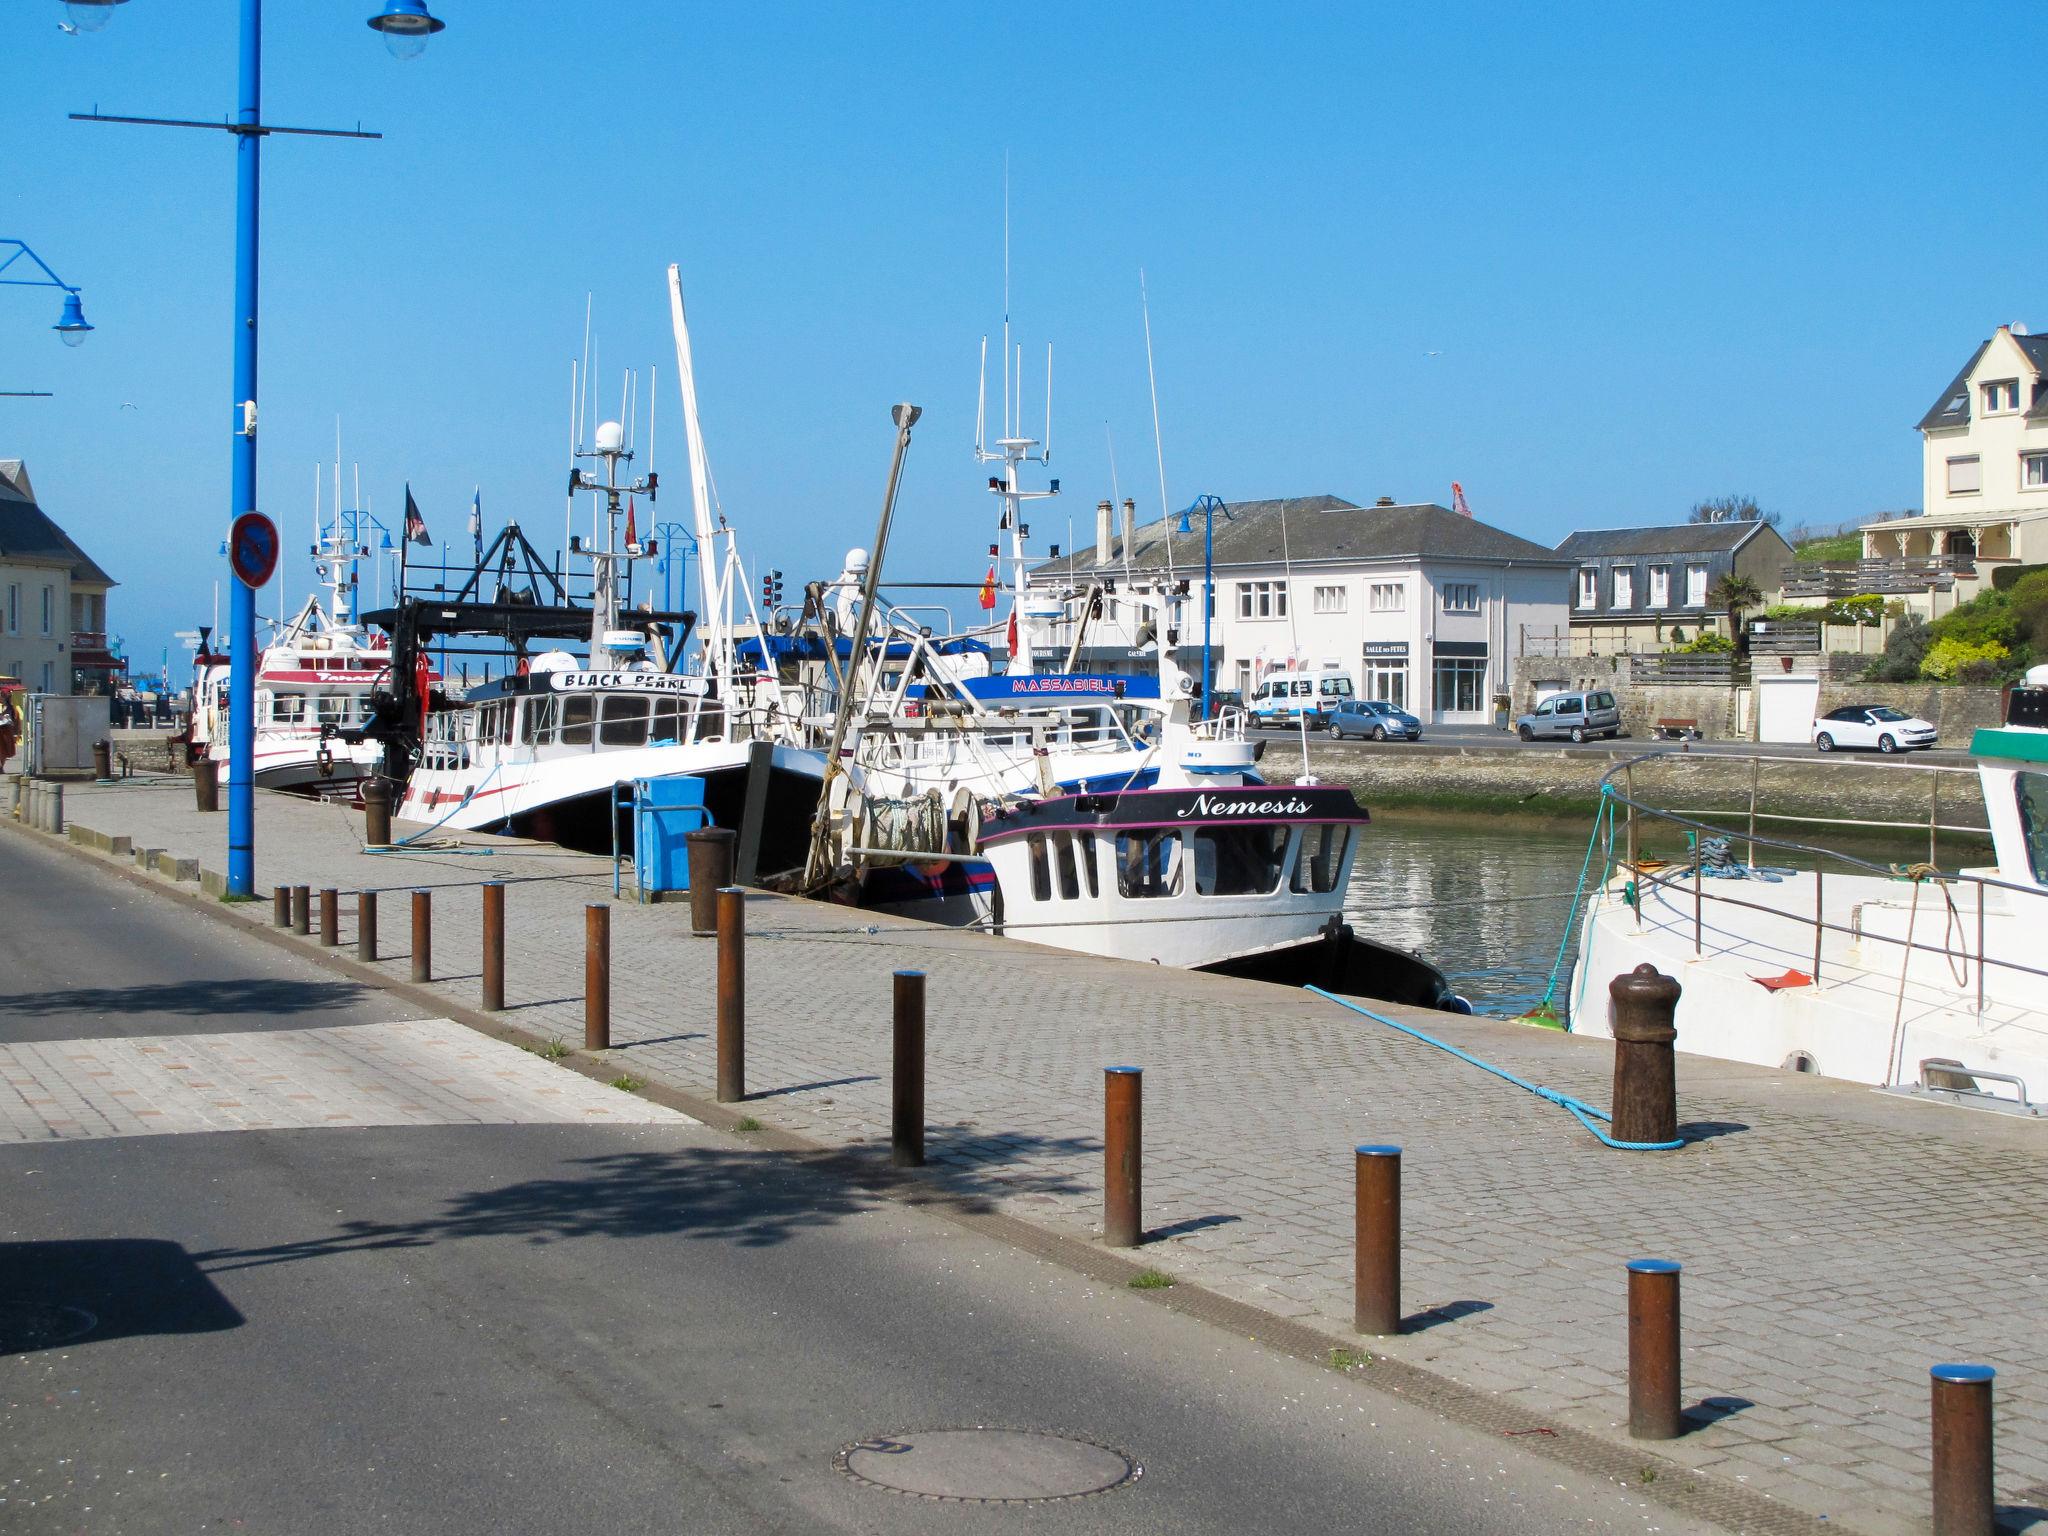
(2001, 395)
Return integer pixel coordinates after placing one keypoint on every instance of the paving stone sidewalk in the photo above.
(1836, 1241)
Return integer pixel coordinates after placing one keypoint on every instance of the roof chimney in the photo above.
(1384, 501)
(1130, 527)
(1105, 515)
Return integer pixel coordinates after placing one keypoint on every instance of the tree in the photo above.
(1732, 594)
(1739, 508)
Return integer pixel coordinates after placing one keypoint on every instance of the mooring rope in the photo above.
(1605, 814)
(1581, 1111)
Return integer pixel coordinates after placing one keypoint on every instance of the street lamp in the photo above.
(1208, 506)
(402, 22)
(71, 326)
(91, 15)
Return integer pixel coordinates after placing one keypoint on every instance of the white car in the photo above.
(1871, 725)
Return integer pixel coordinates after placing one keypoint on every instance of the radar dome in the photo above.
(611, 437)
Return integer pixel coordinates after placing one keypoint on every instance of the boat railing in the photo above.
(1636, 813)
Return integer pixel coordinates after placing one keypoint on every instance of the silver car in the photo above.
(1573, 715)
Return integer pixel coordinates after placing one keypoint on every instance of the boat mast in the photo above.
(713, 578)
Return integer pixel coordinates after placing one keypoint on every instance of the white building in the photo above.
(1420, 606)
(53, 598)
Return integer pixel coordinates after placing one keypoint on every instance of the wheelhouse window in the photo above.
(665, 721)
(1239, 861)
(1965, 476)
(2031, 791)
(1319, 863)
(533, 721)
(287, 708)
(625, 721)
(1148, 864)
(1330, 600)
(1461, 597)
(576, 717)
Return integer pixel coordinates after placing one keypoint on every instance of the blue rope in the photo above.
(404, 844)
(1604, 813)
(1583, 1112)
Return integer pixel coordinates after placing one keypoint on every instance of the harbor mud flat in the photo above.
(1816, 1221)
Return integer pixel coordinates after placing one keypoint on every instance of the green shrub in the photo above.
(1868, 609)
(2029, 598)
(1843, 546)
(1904, 649)
(1706, 642)
(1985, 619)
(1948, 657)
(1796, 613)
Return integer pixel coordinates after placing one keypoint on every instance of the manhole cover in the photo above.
(987, 1466)
(29, 1325)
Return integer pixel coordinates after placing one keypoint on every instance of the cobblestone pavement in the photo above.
(1836, 1242)
(416, 1072)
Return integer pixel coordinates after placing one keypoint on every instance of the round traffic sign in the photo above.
(252, 548)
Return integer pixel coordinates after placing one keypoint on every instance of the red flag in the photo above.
(1013, 634)
(632, 538)
(988, 589)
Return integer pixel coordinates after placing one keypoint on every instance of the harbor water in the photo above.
(1486, 902)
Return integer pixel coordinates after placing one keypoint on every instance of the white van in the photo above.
(1284, 697)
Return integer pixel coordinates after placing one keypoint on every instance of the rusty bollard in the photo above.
(906, 1102)
(422, 935)
(366, 925)
(1645, 1074)
(494, 946)
(103, 762)
(1376, 1303)
(302, 909)
(732, 994)
(330, 917)
(710, 851)
(281, 905)
(1653, 1349)
(597, 977)
(1962, 1450)
(376, 813)
(1123, 1156)
(206, 783)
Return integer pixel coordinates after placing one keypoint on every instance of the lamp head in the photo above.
(71, 325)
(91, 15)
(406, 26)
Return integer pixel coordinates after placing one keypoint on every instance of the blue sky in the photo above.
(1594, 261)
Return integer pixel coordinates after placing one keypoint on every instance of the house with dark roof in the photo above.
(1984, 478)
(1419, 605)
(53, 598)
(1641, 589)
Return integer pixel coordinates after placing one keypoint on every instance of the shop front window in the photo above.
(1460, 684)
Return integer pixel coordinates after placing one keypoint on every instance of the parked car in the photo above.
(1872, 725)
(1284, 697)
(1375, 718)
(1577, 715)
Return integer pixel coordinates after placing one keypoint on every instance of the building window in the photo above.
(1660, 586)
(1388, 597)
(1461, 597)
(1624, 586)
(48, 594)
(1262, 599)
(1330, 600)
(1209, 601)
(2001, 395)
(2034, 471)
(1589, 587)
(1460, 684)
(1387, 682)
(1244, 680)
(1965, 476)
(1695, 586)
(14, 608)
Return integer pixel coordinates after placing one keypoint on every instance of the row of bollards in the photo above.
(1961, 1393)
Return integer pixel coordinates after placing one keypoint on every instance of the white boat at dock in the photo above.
(1904, 976)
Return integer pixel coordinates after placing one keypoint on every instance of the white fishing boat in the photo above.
(546, 751)
(1906, 976)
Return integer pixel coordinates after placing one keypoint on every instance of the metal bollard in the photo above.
(494, 946)
(366, 925)
(330, 917)
(1376, 1301)
(422, 935)
(56, 809)
(281, 905)
(906, 1102)
(597, 977)
(103, 762)
(1123, 1155)
(376, 813)
(206, 783)
(1645, 1074)
(1653, 1349)
(302, 910)
(710, 850)
(1962, 1450)
(732, 994)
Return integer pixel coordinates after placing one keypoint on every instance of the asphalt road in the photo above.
(1487, 736)
(544, 1327)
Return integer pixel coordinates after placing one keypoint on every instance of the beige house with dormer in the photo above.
(1984, 478)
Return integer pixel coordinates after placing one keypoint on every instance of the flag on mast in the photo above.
(415, 525)
(632, 538)
(988, 589)
(476, 521)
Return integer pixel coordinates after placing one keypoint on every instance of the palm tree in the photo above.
(1731, 594)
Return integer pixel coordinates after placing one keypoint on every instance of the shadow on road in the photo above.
(234, 995)
(80, 1292)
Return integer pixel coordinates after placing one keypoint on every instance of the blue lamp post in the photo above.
(1208, 507)
(71, 326)
(406, 26)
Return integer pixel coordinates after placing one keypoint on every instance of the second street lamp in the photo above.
(400, 19)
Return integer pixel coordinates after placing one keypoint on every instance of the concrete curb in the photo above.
(1649, 1475)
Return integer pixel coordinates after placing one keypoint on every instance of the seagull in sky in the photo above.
(67, 29)
(1432, 354)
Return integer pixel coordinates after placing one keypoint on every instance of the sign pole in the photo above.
(242, 645)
